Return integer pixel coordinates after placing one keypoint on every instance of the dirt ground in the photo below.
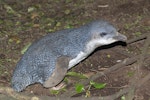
(22, 22)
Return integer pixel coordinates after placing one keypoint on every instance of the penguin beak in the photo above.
(120, 37)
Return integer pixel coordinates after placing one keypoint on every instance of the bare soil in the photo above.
(22, 22)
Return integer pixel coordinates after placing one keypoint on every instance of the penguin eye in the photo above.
(103, 34)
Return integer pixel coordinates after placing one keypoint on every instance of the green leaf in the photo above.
(25, 48)
(123, 98)
(65, 80)
(9, 9)
(58, 24)
(67, 12)
(98, 85)
(31, 9)
(1, 21)
(130, 74)
(137, 33)
(74, 74)
(108, 56)
(68, 26)
(56, 92)
(79, 88)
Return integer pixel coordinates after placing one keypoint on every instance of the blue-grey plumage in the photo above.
(39, 61)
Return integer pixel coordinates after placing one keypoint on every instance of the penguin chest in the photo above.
(77, 59)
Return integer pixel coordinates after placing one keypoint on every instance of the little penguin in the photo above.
(47, 60)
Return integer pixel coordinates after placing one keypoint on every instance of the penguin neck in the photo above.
(91, 46)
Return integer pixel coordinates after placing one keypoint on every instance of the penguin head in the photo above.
(104, 33)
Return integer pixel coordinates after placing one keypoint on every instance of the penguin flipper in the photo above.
(59, 72)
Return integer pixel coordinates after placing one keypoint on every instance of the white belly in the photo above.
(90, 47)
(78, 59)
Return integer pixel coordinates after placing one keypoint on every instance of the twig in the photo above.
(144, 36)
(143, 80)
(138, 72)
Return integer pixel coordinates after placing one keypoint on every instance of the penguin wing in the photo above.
(59, 72)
